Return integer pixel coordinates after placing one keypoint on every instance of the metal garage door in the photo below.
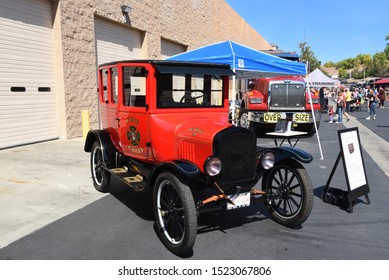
(27, 95)
(116, 42)
(169, 48)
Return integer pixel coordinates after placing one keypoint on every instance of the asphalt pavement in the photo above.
(50, 210)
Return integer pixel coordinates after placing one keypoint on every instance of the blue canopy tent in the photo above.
(246, 63)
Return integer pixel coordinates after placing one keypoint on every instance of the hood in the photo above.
(195, 139)
(199, 130)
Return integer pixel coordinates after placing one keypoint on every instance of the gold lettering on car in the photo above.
(132, 120)
(195, 131)
(135, 150)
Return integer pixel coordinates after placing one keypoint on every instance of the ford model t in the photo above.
(165, 130)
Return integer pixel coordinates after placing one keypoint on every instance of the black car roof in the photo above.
(182, 67)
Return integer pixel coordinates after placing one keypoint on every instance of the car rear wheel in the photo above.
(175, 213)
(100, 176)
(290, 193)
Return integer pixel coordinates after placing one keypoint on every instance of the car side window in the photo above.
(114, 84)
(104, 84)
(134, 86)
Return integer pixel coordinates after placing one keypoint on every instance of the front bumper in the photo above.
(271, 118)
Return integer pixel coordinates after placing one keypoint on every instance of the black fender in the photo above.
(181, 167)
(109, 150)
(282, 153)
(285, 152)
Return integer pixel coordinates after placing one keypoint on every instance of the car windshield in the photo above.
(189, 91)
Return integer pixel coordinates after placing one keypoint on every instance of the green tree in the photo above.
(386, 51)
(380, 64)
(307, 55)
(346, 63)
(342, 73)
(360, 64)
(363, 59)
(330, 64)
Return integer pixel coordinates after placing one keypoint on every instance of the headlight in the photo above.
(256, 100)
(213, 166)
(267, 160)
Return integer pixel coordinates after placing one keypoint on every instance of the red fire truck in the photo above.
(165, 132)
(269, 100)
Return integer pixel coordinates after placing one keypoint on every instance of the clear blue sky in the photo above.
(335, 30)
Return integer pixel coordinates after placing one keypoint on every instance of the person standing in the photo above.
(322, 100)
(372, 101)
(340, 103)
(382, 97)
(348, 97)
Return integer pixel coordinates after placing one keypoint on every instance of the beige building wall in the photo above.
(192, 23)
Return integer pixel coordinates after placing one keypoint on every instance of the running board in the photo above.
(132, 179)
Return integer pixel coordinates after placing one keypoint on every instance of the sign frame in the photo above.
(352, 159)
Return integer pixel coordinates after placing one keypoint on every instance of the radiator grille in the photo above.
(236, 147)
(286, 95)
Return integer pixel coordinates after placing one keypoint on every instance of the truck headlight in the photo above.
(267, 160)
(213, 166)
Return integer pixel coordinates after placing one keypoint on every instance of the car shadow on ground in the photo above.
(220, 220)
(140, 203)
(223, 220)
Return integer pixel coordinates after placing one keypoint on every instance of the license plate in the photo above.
(273, 117)
(301, 117)
(240, 200)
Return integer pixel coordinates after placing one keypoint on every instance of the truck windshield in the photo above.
(189, 91)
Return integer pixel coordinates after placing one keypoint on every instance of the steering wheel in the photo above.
(191, 98)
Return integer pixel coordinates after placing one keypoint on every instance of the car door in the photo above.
(133, 111)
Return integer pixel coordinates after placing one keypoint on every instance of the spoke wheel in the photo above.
(290, 193)
(175, 213)
(100, 176)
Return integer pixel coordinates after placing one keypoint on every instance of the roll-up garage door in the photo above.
(27, 95)
(169, 48)
(116, 42)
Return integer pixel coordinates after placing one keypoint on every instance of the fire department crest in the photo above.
(133, 136)
(351, 148)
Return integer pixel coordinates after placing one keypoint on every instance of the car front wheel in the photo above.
(290, 193)
(175, 213)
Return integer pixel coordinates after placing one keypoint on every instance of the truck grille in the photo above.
(236, 148)
(287, 95)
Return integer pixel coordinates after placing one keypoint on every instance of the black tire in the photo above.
(243, 120)
(290, 193)
(175, 213)
(311, 131)
(100, 175)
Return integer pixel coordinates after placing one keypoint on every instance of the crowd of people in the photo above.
(346, 100)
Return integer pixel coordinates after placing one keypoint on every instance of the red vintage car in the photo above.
(165, 131)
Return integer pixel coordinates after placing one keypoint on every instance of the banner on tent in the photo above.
(324, 84)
